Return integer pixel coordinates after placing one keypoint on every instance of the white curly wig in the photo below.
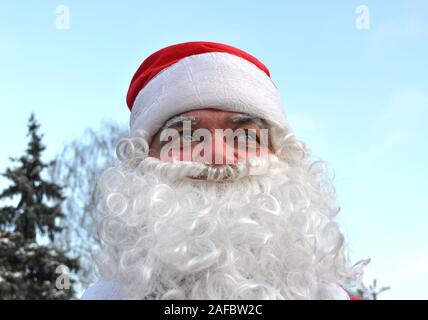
(228, 234)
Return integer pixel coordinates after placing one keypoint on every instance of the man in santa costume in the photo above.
(215, 197)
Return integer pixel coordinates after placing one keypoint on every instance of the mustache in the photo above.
(198, 171)
(225, 172)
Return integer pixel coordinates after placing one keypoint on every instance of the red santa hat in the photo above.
(196, 75)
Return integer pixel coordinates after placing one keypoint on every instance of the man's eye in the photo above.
(186, 135)
(249, 135)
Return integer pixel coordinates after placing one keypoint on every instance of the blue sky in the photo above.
(358, 98)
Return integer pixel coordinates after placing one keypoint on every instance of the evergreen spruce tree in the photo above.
(30, 263)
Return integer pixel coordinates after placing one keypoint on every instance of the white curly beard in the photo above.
(265, 236)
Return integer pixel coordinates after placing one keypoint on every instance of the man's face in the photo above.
(211, 136)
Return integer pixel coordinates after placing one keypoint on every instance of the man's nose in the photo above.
(217, 152)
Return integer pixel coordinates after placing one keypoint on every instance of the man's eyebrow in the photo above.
(246, 118)
(178, 120)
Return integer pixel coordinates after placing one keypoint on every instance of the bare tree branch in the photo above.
(78, 168)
